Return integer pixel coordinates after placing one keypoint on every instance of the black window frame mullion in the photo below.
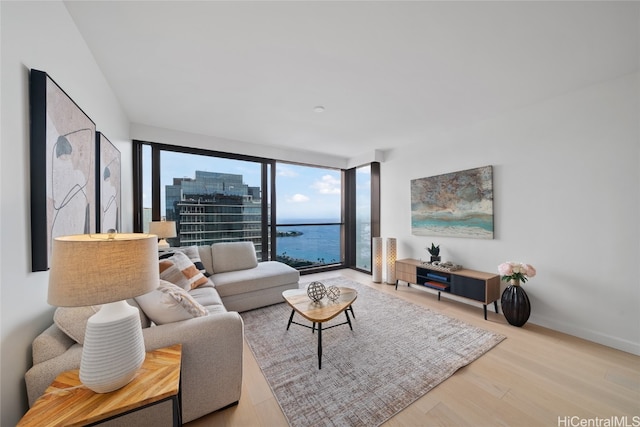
(375, 199)
(155, 183)
(137, 187)
(349, 216)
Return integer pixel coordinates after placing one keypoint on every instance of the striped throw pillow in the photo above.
(179, 270)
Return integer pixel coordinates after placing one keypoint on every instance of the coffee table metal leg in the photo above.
(346, 312)
(352, 313)
(319, 345)
(290, 319)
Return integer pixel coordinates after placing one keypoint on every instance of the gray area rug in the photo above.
(396, 353)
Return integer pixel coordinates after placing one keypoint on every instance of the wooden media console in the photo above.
(471, 284)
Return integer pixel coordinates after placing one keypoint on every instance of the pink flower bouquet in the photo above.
(516, 271)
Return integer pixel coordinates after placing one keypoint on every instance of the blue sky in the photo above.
(310, 193)
(303, 192)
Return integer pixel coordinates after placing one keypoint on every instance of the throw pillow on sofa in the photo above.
(179, 270)
(170, 303)
(191, 252)
(73, 320)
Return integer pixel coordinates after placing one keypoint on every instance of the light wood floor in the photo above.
(536, 377)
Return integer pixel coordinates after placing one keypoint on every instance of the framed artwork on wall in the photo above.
(457, 204)
(109, 197)
(63, 170)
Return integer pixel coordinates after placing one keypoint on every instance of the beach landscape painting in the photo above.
(457, 204)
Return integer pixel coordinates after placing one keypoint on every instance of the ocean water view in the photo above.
(316, 243)
(302, 245)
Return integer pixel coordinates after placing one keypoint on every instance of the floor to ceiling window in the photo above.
(308, 215)
(211, 198)
(362, 213)
(221, 197)
(363, 218)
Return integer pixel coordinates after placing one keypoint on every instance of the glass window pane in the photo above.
(303, 246)
(309, 211)
(363, 218)
(218, 199)
(212, 199)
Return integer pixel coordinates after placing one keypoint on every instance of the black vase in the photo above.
(515, 304)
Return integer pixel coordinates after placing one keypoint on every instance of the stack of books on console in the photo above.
(439, 277)
(437, 285)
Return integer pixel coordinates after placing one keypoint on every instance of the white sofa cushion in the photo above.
(170, 303)
(267, 274)
(206, 295)
(233, 256)
(209, 298)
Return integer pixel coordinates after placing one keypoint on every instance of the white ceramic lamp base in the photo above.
(113, 349)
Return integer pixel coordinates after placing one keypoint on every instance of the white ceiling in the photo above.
(387, 73)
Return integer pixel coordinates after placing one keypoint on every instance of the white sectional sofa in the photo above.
(212, 345)
(242, 282)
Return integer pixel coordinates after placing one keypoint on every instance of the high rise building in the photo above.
(214, 207)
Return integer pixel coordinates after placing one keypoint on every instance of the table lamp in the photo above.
(92, 269)
(163, 229)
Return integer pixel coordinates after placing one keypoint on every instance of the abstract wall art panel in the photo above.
(458, 204)
(63, 180)
(108, 184)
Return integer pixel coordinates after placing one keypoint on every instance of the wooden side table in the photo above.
(66, 402)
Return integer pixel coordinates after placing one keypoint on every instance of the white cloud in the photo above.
(285, 171)
(327, 185)
(298, 198)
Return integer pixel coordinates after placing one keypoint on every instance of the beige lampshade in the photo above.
(163, 229)
(91, 269)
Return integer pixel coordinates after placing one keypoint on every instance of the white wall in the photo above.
(38, 35)
(566, 200)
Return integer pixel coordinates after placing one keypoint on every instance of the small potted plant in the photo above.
(435, 252)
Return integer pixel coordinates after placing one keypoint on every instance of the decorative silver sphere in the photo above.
(316, 291)
(333, 293)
